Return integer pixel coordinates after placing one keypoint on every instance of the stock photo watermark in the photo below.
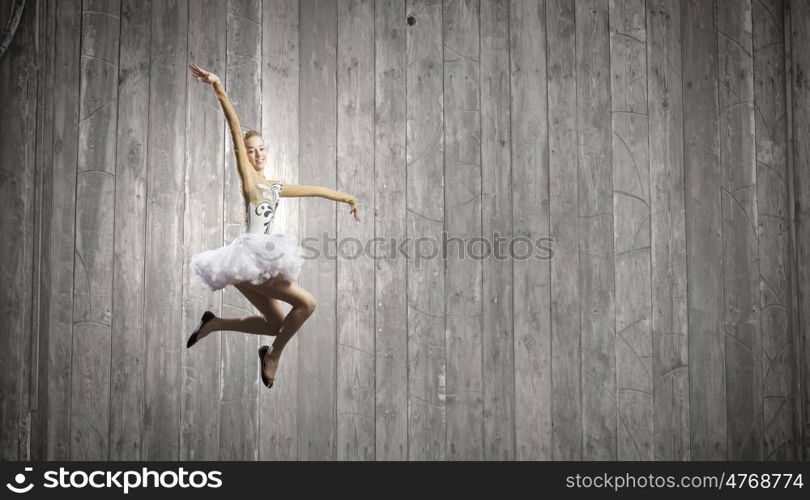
(423, 248)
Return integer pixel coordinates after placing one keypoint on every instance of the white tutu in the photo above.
(253, 257)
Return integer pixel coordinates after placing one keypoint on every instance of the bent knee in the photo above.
(308, 305)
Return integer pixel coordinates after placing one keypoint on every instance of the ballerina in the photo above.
(264, 267)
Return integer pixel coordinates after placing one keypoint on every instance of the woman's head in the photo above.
(254, 144)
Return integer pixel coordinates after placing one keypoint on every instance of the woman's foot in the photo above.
(202, 330)
(269, 365)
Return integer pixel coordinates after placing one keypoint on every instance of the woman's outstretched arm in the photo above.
(246, 171)
(291, 190)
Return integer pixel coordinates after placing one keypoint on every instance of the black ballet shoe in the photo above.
(267, 381)
(206, 317)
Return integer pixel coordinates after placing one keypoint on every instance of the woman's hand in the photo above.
(202, 75)
(354, 212)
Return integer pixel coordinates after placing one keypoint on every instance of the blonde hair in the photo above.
(251, 133)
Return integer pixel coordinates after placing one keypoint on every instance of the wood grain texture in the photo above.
(631, 230)
(775, 293)
(704, 251)
(278, 412)
(390, 301)
(742, 336)
(240, 384)
(596, 220)
(202, 230)
(62, 227)
(564, 229)
(465, 249)
(163, 260)
(799, 188)
(531, 279)
(497, 339)
(530, 219)
(127, 329)
(317, 342)
(425, 223)
(42, 220)
(355, 174)
(26, 373)
(670, 334)
(17, 170)
(95, 216)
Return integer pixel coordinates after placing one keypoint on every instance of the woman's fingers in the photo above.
(200, 74)
(197, 71)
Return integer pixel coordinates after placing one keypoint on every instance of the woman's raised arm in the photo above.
(245, 170)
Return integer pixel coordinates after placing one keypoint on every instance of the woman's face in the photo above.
(255, 152)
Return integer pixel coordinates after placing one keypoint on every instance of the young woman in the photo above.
(264, 267)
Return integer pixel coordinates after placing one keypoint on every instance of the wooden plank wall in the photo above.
(19, 93)
(126, 354)
(355, 173)
(797, 50)
(425, 193)
(390, 275)
(278, 412)
(201, 388)
(620, 190)
(317, 376)
(670, 339)
(773, 213)
(239, 396)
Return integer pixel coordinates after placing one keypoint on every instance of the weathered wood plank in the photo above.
(95, 215)
(463, 268)
(317, 342)
(127, 330)
(775, 269)
(497, 342)
(62, 235)
(595, 172)
(425, 221)
(631, 230)
(278, 412)
(42, 214)
(27, 373)
(202, 230)
(164, 265)
(566, 397)
(355, 164)
(530, 208)
(238, 424)
(667, 228)
(17, 168)
(742, 336)
(799, 187)
(391, 387)
(704, 251)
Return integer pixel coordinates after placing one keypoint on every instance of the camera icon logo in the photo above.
(20, 479)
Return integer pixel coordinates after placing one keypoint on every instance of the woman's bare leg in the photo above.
(267, 325)
(250, 324)
(303, 305)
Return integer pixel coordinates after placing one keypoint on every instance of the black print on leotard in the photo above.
(267, 209)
